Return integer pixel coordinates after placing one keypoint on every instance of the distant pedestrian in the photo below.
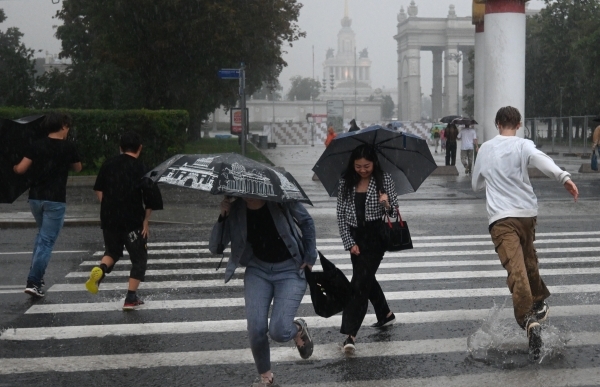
(443, 140)
(435, 136)
(468, 145)
(330, 136)
(501, 168)
(50, 160)
(451, 133)
(127, 201)
(264, 239)
(390, 126)
(365, 194)
(596, 138)
(353, 126)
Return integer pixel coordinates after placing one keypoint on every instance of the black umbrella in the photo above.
(404, 156)
(229, 174)
(330, 289)
(464, 121)
(449, 119)
(15, 137)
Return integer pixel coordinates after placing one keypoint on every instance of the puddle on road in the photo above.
(501, 343)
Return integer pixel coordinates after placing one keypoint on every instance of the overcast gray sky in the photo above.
(373, 21)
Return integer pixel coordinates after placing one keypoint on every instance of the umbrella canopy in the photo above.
(404, 156)
(464, 121)
(15, 137)
(449, 119)
(229, 174)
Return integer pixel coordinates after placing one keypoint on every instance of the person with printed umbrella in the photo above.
(259, 218)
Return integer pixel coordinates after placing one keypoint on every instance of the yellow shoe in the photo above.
(96, 275)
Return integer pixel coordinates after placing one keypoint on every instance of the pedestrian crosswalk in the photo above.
(192, 323)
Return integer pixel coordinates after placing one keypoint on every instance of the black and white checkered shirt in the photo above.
(346, 210)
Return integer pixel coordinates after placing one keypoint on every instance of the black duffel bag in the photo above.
(330, 289)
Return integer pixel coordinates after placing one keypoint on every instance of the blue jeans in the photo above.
(283, 284)
(49, 217)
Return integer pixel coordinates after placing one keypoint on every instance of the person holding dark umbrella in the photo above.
(365, 194)
(49, 161)
(353, 126)
(264, 239)
(451, 134)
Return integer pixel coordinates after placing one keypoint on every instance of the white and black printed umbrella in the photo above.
(229, 174)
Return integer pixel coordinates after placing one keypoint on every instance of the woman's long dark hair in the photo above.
(352, 178)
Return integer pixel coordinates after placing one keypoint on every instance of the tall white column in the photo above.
(438, 84)
(413, 83)
(451, 82)
(505, 60)
(479, 98)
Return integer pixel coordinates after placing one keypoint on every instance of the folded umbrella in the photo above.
(404, 156)
(229, 174)
(330, 289)
(15, 137)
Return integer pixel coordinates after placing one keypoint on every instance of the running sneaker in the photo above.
(304, 344)
(534, 333)
(132, 303)
(265, 382)
(541, 310)
(385, 322)
(96, 276)
(34, 290)
(349, 346)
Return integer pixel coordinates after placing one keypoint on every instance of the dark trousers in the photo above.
(450, 153)
(364, 285)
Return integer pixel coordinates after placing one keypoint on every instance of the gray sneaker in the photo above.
(305, 344)
(263, 382)
(534, 333)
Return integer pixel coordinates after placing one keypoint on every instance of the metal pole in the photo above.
(570, 133)
(355, 82)
(554, 125)
(585, 131)
(273, 120)
(312, 125)
(458, 58)
(243, 106)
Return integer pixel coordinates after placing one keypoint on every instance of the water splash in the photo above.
(501, 343)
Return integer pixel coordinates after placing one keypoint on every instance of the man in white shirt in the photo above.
(468, 141)
(501, 168)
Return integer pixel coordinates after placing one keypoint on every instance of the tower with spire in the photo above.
(347, 69)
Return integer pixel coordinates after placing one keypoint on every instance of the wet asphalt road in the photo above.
(192, 332)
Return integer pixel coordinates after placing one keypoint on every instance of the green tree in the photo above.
(561, 52)
(303, 89)
(387, 107)
(16, 68)
(166, 53)
(268, 91)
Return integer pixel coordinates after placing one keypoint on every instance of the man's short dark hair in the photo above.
(508, 117)
(54, 121)
(130, 142)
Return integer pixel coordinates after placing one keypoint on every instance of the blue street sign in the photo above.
(229, 74)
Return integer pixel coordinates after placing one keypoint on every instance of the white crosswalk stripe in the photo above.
(465, 272)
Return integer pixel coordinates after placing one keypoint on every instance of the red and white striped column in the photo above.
(504, 60)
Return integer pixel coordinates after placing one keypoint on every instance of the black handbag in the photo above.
(395, 235)
(330, 289)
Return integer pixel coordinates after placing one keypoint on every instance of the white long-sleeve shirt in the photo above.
(501, 168)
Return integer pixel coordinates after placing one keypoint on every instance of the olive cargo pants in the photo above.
(513, 239)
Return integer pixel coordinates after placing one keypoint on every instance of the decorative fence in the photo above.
(573, 133)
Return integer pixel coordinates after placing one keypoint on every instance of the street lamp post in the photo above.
(355, 76)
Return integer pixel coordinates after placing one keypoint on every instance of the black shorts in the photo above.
(136, 247)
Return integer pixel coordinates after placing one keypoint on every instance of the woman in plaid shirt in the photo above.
(365, 194)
